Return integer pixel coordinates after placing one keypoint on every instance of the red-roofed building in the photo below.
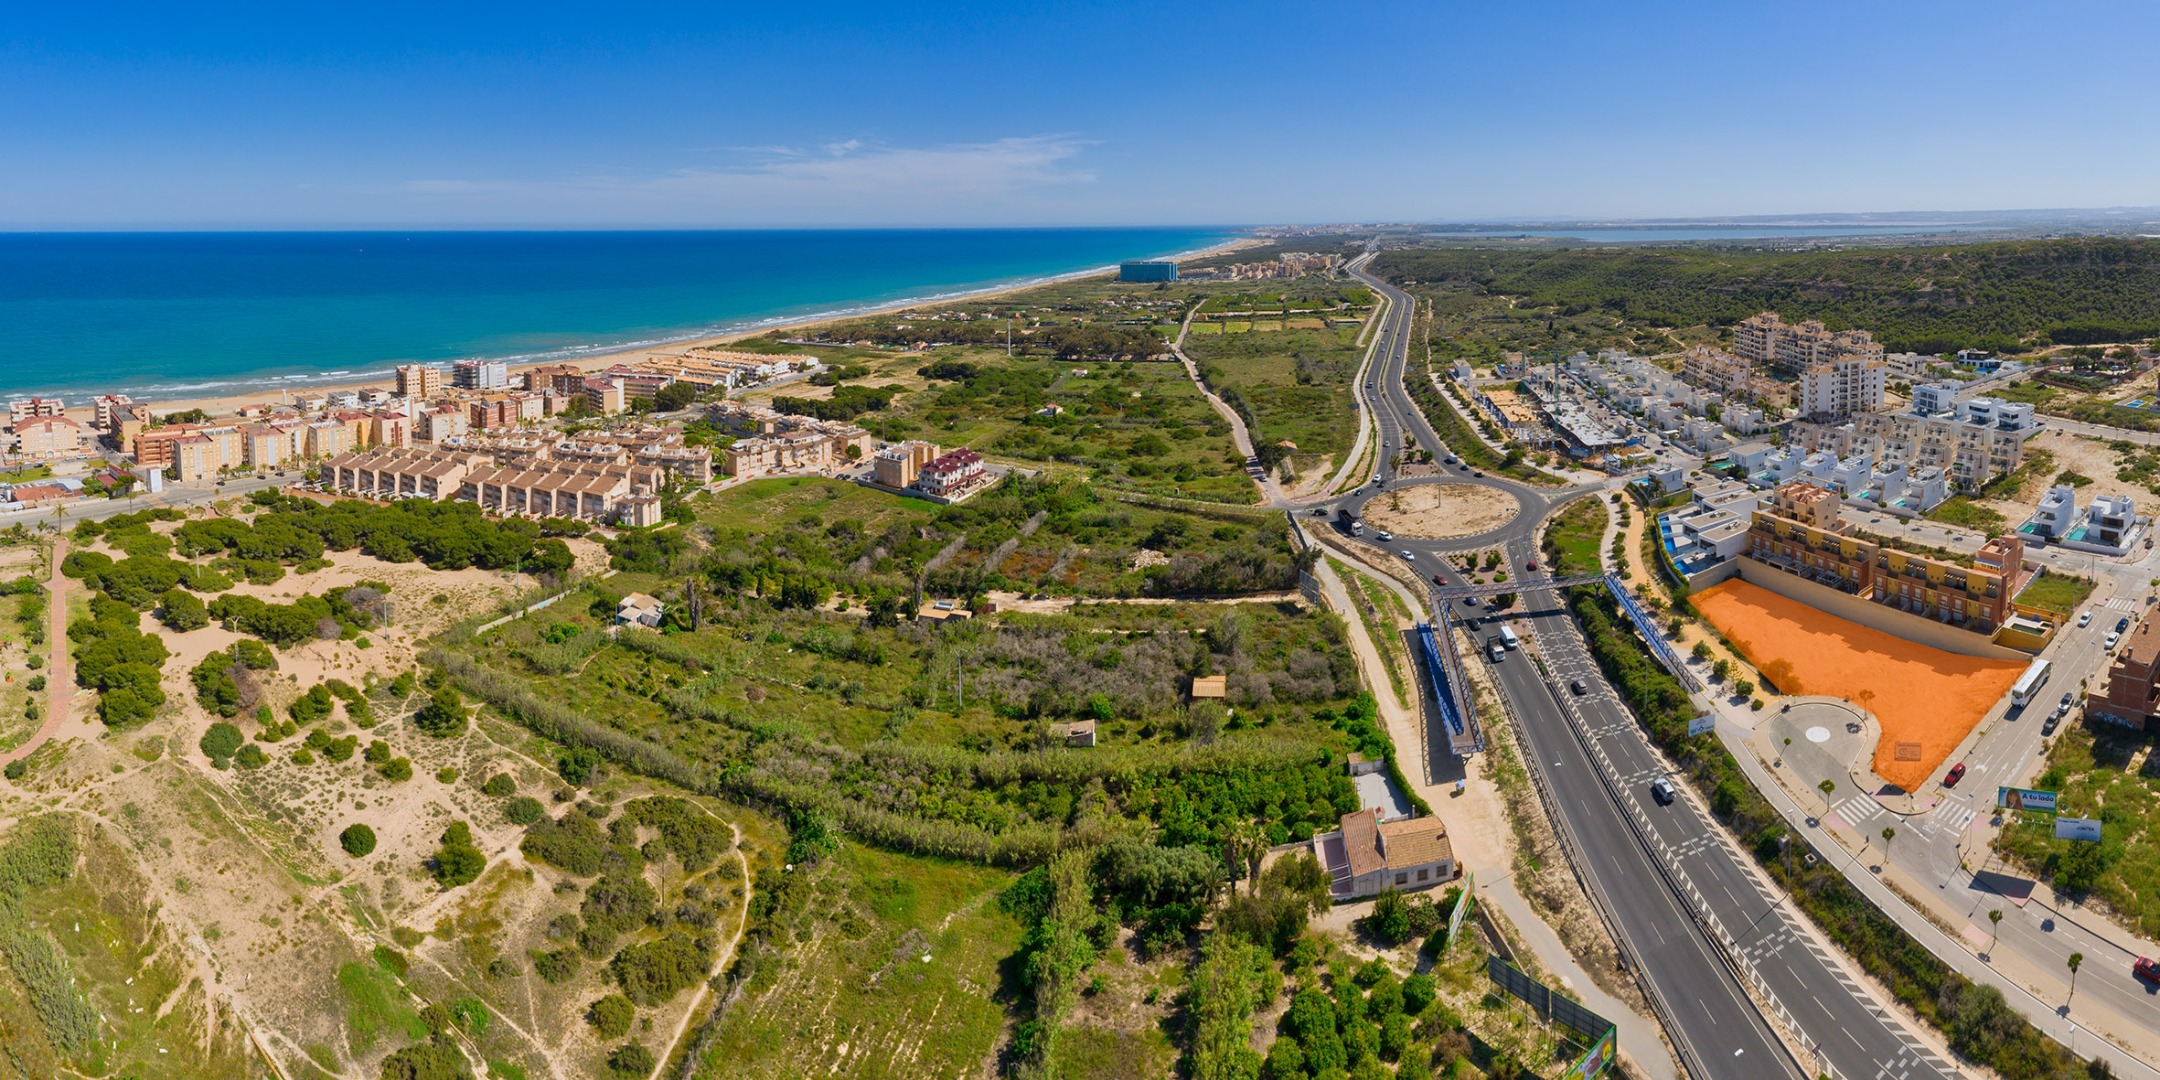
(953, 474)
(51, 437)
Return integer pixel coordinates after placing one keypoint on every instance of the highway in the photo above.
(1675, 888)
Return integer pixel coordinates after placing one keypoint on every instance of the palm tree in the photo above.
(1995, 926)
(2076, 958)
(1888, 834)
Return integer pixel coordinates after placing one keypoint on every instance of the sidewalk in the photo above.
(1482, 848)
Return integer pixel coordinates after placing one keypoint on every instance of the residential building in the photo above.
(1972, 454)
(436, 425)
(606, 396)
(2001, 415)
(2110, 520)
(638, 609)
(2055, 516)
(480, 375)
(1150, 271)
(28, 408)
(1935, 399)
(1721, 371)
(2131, 696)
(624, 495)
(1911, 367)
(51, 436)
(898, 464)
(107, 409)
(265, 447)
(1770, 342)
(953, 474)
(328, 438)
(1840, 387)
(420, 382)
(386, 428)
(561, 378)
(1799, 531)
(1365, 856)
(343, 399)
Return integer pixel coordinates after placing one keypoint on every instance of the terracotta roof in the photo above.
(1211, 686)
(1415, 842)
(1361, 842)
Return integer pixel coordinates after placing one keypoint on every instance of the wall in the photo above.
(1870, 614)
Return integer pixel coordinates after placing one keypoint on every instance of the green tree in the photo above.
(1224, 992)
(220, 743)
(182, 611)
(444, 714)
(611, 1016)
(357, 840)
(458, 861)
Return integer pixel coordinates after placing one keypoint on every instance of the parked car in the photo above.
(1662, 790)
(2047, 726)
(2064, 704)
(2085, 619)
(1956, 773)
(2122, 624)
(2111, 640)
(2147, 969)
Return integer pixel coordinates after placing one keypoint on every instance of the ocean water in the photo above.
(168, 316)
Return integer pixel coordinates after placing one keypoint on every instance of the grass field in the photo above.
(2058, 593)
(1295, 384)
(1919, 694)
(896, 974)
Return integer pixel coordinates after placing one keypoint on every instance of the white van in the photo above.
(1507, 636)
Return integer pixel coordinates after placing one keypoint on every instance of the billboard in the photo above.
(2013, 798)
(1462, 909)
(1599, 1058)
(1702, 725)
(2077, 828)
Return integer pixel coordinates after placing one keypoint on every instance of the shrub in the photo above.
(357, 840)
(220, 743)
(611, 1016)
(251, 756)
(655, 971)
(181, 610)
(396, 770)
(443, 715)
(524, 810)
(458, 861)
(499, 785)
(558, 966)
(631, 1061)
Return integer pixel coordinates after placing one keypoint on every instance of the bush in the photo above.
(499, 785)
(611, 1016)
(357, 840)
(556, 967)
(443, 715)
(181, 610)
(524, 810)
(251, 756)
(655, 971)
(220, 743)
(396, 770)
(630, 1061)
(458, 861)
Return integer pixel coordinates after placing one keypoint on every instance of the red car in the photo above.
(2146, 969)
(1531, 565)
(1957, 773)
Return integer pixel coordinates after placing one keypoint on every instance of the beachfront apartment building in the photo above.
(1841, 387)
(23, 409)
(1769, 341)
(606, 396)
(1798, 529)
(480, 375)
(107, 409)
(419, 382)
(51, 437)
(617, 494)
(563, 379)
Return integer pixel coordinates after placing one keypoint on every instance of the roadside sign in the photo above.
(2077, 828)
(1601, 1056)
(1462, 909)
(2011, 798)
(1702, 725)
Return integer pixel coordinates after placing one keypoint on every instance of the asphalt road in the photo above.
(1673, 883)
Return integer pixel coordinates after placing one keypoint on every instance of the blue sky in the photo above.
(1075, 113)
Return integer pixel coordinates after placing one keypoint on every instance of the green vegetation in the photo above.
(2056, 592)
(458, 861)
(1962, 511)
(2097, 771)
(2001, 296)
(114, 657)
(1291, 385)
(358, 840)
(220, 743)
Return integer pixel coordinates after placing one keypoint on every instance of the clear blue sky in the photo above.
(729, 114)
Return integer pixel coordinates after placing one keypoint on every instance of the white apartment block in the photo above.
(480, 375)
(1772, 342)
(1972, 454)
(1846, 386)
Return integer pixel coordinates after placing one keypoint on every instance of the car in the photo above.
(2085, 619)
(1385, 536)
(1662, 790)
(1479, 473)
(1462, 468)
(1578, 688)
(1319, 511)
(1440, 581)
(1451, 459)
(1956, 773)
(1531, 565)
(1497, 651)
(1472, 601)
(2064, 704)
(1376, 478)
(2047, 726)
(1407, 553)
(2122, 624)
(2112, 639)
(2146, 968)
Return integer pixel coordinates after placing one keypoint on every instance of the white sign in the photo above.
(1702, 725)
(2077, 828)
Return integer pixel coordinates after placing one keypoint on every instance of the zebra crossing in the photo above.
(1953, 815)
(2120, 603)
(1858, 809)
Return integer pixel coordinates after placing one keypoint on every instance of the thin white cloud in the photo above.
(841, 178)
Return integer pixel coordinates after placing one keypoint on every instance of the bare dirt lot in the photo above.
(1441, 511)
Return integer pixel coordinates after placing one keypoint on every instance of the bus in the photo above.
(2029, 684)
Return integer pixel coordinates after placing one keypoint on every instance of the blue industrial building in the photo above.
(1147, 271)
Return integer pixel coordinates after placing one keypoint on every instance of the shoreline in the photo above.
(271, 389)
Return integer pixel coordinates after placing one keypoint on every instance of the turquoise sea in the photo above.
(166, 316)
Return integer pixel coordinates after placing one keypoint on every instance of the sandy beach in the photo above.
(230, 404)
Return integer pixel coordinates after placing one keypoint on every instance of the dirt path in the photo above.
(720, 962)
(59, 669)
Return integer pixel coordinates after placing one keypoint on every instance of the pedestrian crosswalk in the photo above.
(1953, 815)
(1857, 809)
(2120, 603)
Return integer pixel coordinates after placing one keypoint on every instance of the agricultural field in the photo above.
(1292, 384)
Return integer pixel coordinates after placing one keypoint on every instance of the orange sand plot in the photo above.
(1920, 694)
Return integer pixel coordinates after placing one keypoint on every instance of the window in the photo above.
(1402, 878)
(1421, 874)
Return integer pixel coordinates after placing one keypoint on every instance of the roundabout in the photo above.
(1441, 511)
